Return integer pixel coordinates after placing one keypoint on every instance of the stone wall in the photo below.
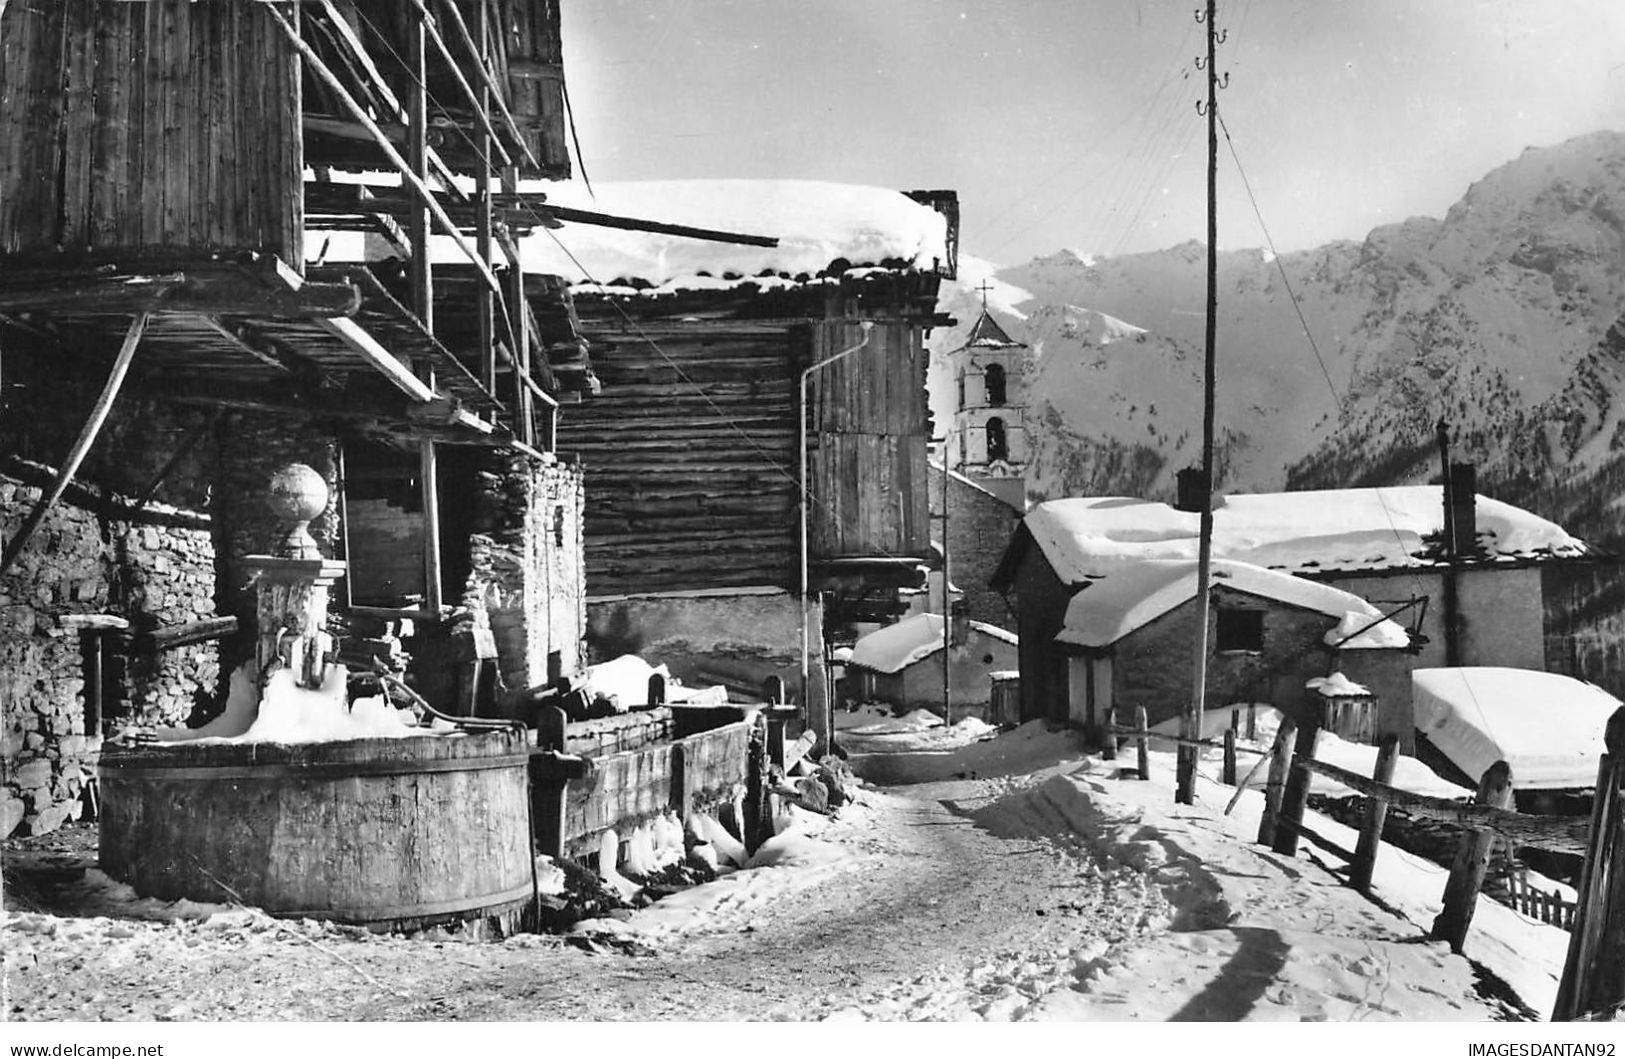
(1152, 666)
(92, 555)
(526, 575)
(980, 526)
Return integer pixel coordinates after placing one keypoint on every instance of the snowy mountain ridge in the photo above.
(1504, 317)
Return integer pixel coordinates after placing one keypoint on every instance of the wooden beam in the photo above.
(1563, 834)
(490, 84)
(238, 339)
(481, 112)
(326, 74)
(634, 224)
(213, 292)
(399, 375)
(342, 29)
(81, 445)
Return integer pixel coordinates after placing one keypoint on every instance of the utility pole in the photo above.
(947, 600)
(1191, 726)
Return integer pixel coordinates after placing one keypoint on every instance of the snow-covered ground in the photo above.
(1017, 880)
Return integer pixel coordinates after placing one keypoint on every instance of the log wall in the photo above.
(690, 456)
(133, 127)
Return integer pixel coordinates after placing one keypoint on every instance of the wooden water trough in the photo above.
(392, 834)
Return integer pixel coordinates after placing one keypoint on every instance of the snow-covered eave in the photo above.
(1506, 561)
(1368, 639)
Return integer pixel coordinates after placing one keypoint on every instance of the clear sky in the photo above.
(1072, 123)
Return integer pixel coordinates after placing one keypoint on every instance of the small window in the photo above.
(1240, 630)
(993, 378)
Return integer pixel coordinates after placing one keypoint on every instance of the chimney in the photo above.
(1461, 490)
(1190, 488)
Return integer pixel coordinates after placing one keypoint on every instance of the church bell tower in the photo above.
(988, 442)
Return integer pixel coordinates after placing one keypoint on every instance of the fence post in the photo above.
(1295, 792)
(1280, 761)
(1472, 861)
(550, 722)
(757, 827)
(1142, 740)
(1252, 720)
(1108, 746)
(1594, 971)
(1376, 814)
(1228, 770)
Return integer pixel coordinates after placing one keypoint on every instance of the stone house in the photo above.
(901, 664)
(1473, 599)
(979, 526)
(1126, 639)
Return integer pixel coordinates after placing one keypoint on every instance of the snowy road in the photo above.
(928, 915)
(1045, 887)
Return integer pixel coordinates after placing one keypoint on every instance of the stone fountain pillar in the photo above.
(293, 584)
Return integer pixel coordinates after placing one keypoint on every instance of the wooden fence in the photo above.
(1547, 906)
(1593, 982)
(1141, 735)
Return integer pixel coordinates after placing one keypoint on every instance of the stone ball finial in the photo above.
(296, 494)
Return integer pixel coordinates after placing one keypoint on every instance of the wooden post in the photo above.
(1280, 761)
(1376, 814)
(550, 722)
(1295, 792)
(1142, 740)
(81, 445)
(92, 646)
(1108, 746)
(547, 805)
(1252, 720)
(756, 826)
(1472, 861)
(1593, 980)
(1228, 773)
(682, 781)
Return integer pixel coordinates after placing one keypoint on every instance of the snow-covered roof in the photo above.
(815, 222)
(994, 631)
(936, 471)
(1109, 608)
(1313, 531)
(1548, 727)
(896, 647)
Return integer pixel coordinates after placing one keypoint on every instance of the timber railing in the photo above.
(1593, 981)
(1141, 735)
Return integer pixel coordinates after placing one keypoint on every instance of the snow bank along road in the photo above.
(1025, 892)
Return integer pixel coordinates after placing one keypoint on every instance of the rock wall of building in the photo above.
(527, 577)
(1152, 666)
(980, 526)
(93, 554)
